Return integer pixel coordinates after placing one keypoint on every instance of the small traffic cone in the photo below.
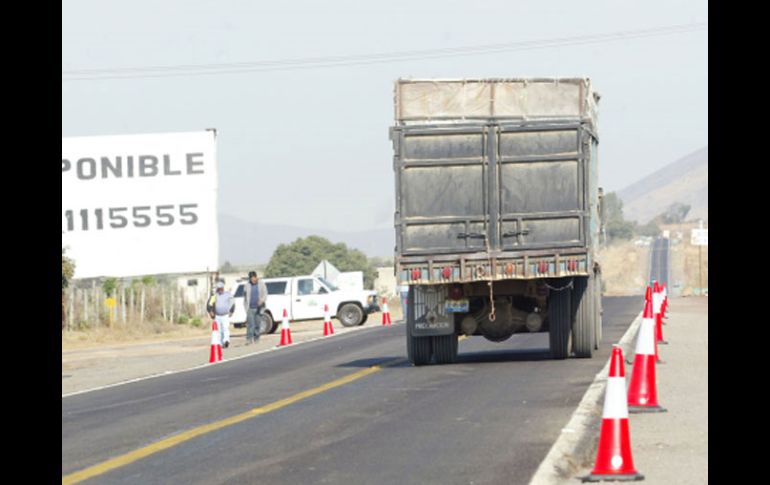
(642, 392)
(216, 344)
(649, 297)
(385, 312)
(328, 327)
(657, 307)
(285, 330)
(665, 302)
(613, 457)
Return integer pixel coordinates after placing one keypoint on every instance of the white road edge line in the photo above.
(563, 460)
(203, 366)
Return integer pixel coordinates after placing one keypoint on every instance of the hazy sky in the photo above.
(309, 147)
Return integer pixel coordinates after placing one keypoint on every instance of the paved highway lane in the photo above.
(490, 418)
(659, 253)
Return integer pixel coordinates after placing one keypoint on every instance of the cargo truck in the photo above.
(498, 212)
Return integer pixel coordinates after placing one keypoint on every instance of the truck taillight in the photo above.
(456, 292)
(447, 272)
(416, 273)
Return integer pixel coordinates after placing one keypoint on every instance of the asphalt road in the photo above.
(490, 418)
(659, 267)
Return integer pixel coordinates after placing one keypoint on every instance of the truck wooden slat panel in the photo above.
(557, 184)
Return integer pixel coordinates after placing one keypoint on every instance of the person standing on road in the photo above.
(255, 296)
(221, 307)
(404, 291)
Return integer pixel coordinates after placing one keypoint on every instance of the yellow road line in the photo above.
(164, 444)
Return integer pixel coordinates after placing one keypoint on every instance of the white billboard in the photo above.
(699, 237)
(140, 204)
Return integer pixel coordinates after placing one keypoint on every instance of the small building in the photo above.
(385, 284)
(197, 287)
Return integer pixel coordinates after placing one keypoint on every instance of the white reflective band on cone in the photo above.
(657, 302)
(215, 337)
(615, 400)
(645, 341)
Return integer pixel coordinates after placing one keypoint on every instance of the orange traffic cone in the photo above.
(328, 327)
(643, 393)
(657, 308)
(216, 344)
(665, 302)
(613, 458)
(285, 330)
(649, 298)
(385, 312)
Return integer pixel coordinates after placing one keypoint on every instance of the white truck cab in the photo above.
(303, 298)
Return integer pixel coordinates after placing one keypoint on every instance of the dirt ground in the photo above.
(624, 268)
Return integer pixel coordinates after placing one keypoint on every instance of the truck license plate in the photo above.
(456, 306)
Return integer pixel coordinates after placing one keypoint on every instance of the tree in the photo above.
(650, 229)
(675, 213)
(617, 227)
(303, 255)
(109, 285)
(67, 272)
(227, 268)
(379, 262)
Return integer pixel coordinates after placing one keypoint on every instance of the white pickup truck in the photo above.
(303, 297)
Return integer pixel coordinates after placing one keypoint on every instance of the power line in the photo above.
(374, 58)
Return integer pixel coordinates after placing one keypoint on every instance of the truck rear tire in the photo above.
(445, 349)
(583, 329)
(598, 309)
(418, 349)
(560, 322)
(350, 315)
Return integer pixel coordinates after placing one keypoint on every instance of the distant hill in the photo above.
(685, 180)
(242, 242)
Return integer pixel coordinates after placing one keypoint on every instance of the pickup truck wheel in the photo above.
(584, 326)
(350, 315)
(363, 320)
(445, 349)
(270, 325)
(560, 321)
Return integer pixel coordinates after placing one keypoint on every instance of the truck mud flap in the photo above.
(428, 316)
